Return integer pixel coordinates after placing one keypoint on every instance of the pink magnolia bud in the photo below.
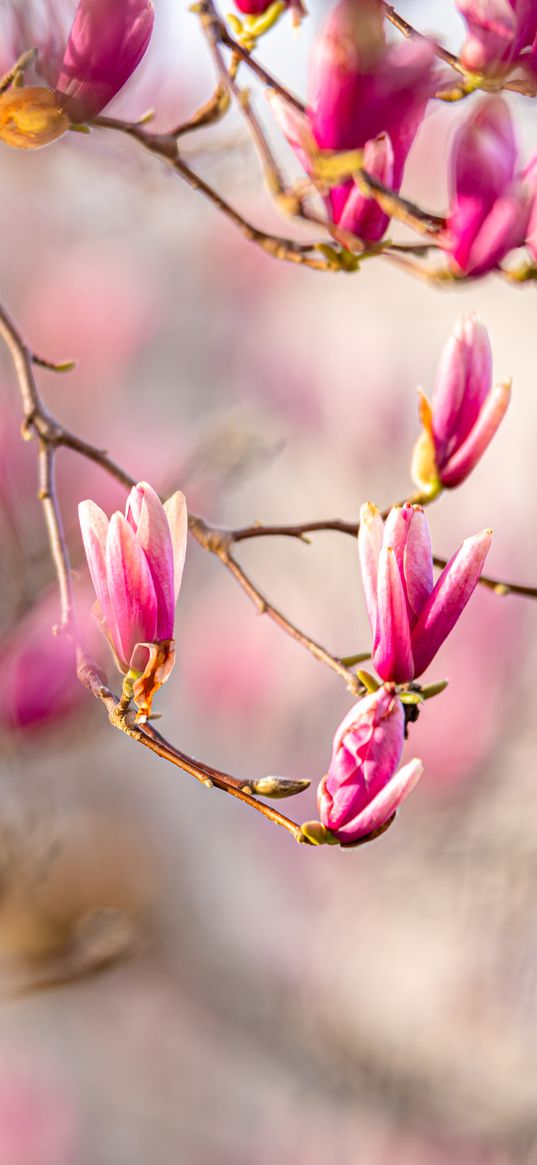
(498, 30)
(410, 615)
(362, 788)
(364, 94)
(465, 410)
(136, 565)
(107, 41)
(490, 203)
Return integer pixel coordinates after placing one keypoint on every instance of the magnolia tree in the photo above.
(372, 78)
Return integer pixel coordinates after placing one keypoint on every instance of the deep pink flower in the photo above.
(136, 565)
(410, 615)
(465, 411)
(498, 31)
(107, 41)
(363, 93)
(490, 203)
(362, 788)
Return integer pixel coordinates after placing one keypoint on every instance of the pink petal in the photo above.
(177, 515)
(418, 563)
(468, 454)
(503, 229)
(294, 126)
(369, 544)
(132, 593)
(94, 527)
(361, 215)
(147, 516)
(107, 41)
(392, 653)
(448, 599)
(382, 807)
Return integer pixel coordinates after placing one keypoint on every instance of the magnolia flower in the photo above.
(498, 30)
(136, 565)
(364, 94)
(490, 202)
(465, 411)
(106, 43)
(410, 615)
(362, 788)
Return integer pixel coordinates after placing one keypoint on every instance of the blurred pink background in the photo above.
(179, 982)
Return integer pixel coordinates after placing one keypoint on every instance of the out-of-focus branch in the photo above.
(471, 81)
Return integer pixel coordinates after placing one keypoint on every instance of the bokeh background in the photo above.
(179, 983)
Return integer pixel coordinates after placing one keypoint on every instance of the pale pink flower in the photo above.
(465, 412)
(362, 788)
(410, 615)
(136, 565)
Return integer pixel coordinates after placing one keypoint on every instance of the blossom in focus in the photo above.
(364, 94)
(490, 202)
(465, 411)
(106, 43)
(410, 615)
(136, 564)
(362, 788)
(498, 31)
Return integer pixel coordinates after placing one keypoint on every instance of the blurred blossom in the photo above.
(362, 788)
(38, 1122)
(490, 202)
(364, 94)
(410, 615)
(40, 689)
(465, 412)
(498, 31)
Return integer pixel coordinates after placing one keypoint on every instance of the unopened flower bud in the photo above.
(465, 411)
(363, 788)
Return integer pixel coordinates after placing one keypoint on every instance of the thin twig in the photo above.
(124, 721)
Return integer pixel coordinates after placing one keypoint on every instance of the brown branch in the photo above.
(219, 32)
(407, 30)
(219, 542)
(123, 719)
(165, 147)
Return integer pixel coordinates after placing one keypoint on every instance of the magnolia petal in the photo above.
(107, 41)
(176, 512)
(418, 563)
(462, 383)
(94, 529)
(469, 453)
(146, 514)
(132, 593)
(381, 808)
(392, 652)
(448, 599)
(370, 536)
